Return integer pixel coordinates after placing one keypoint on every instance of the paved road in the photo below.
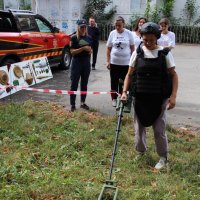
(186, 113)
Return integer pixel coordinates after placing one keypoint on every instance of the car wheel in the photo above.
(66, 59)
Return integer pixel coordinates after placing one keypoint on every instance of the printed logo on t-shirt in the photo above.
(120, 42)
(119, 45)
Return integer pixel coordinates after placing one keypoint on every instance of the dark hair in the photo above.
(136, 25)
(120, 18)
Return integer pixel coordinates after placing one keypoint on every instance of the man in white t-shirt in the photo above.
(167, 38)
(149, 70)
(120, 46)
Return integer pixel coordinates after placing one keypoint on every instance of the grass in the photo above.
(48, 153)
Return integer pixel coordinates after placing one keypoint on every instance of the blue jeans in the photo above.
(80, 69)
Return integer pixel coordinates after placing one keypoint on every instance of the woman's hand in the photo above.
(108, 65)
(124, 97)
(171, 102)
(87, 48)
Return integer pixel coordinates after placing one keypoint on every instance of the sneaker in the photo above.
(161, 163)
(93, 68)
(84, 106)
(114, 102)
(73, 108)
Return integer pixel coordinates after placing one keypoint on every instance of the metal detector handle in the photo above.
(121, 108)
(127, 105)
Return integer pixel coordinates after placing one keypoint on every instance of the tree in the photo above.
(156, 13)
(190, 12)
(96, 8)
(168, 6)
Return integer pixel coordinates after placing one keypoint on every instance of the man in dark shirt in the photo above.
(93, 31)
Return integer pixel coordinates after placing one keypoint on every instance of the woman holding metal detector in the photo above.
(153, 83)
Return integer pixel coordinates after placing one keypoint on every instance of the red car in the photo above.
(25, 35)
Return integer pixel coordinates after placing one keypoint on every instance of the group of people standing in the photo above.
(122, 42)
(142, 59)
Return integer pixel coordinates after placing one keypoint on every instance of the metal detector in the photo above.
(109, 190)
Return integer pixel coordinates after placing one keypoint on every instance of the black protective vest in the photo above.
(150, 86)
(151, 75)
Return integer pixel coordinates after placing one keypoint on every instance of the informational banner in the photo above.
(26, 73)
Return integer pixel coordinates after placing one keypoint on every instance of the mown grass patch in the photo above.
(50, 153)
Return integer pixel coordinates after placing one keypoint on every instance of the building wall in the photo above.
(128, 8)
(61, 13)
(179, 5)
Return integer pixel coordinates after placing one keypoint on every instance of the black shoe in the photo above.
(73, 108)
(93, 68)
(84, 106)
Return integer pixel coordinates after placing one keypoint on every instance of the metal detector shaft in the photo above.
(120, 115)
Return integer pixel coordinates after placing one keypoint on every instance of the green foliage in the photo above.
(190, 12)
(147, 12)
(1, 4)
(167, 8)
(134, 19)
(47, 152)
(155, 17)
(25, 4)
(96, 8)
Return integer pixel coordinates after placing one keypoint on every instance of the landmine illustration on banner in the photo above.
(25, 74)
(41, 69)
(4, 81)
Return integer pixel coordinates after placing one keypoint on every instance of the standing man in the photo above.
(93, 31)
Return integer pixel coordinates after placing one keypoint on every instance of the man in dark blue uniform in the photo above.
(93, 31)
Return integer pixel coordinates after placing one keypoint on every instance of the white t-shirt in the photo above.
(137, 39)
(120, 44)
(152, 54)
(167, 39)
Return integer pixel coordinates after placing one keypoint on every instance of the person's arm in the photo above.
(108, 51)
(132, 47)
(132, 42)
(74, 51)
(127, 83)
(171, 41)
(172, 98)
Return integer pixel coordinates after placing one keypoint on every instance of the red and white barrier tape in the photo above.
(56, 91)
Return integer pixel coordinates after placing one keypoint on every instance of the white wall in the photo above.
(13, 4)
(61, 13)
(179, 5)
(128, 8)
